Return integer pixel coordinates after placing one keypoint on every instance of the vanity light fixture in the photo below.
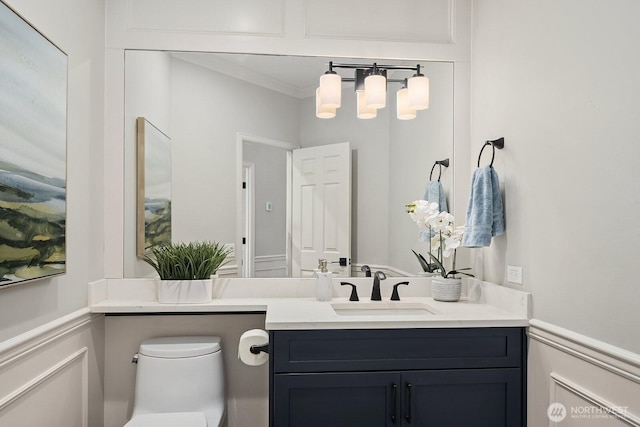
(370, 84)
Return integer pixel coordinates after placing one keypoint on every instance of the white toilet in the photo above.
(179, 382)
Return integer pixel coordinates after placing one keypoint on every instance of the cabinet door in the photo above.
(367, 399)
(462, 397)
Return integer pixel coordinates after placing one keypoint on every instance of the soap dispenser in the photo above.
(324, 285)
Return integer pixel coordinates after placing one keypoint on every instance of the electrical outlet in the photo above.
(514, 274)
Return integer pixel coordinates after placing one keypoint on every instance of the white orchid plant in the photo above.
(445, 238)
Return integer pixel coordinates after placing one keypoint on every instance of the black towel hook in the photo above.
(439, 163)
(496, 143)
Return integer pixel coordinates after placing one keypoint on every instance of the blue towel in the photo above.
(434, 192)
(485, 215)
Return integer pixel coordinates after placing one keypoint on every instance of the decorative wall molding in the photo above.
(54, 372)
(592, 398)
(382, 20)
(271, 263)
(249, 17)
(597, 383)
(37, 381)
(387, 270)
(38, 338)
(614, 359)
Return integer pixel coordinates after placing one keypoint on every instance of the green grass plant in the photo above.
(187, 261)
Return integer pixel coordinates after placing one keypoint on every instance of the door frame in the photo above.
(241, 138)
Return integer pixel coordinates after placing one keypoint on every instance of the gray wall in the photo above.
(560, 81)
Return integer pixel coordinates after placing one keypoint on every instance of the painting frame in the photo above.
(153, 190)
(33, 152)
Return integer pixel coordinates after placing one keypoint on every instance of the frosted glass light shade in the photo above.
(404, 112)
(375, 91)
(365, 112)
(330, 90)
(322, 111)
(418, 92)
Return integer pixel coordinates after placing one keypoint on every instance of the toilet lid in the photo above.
(179, 347)
(169, 419)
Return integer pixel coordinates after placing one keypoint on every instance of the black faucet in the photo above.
(366, 270)
(375, 292)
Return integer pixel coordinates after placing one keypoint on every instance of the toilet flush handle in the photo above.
(135, 358)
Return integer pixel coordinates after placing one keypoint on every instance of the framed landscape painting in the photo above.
(154, 187)
(33, 144)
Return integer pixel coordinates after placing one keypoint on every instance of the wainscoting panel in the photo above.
(248, 17)
(389, 20)
(53, 375)
(270, 266)
(574, 380)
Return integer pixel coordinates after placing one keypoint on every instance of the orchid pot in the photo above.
(446, 289)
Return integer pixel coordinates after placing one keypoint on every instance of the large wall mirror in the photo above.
(238, 116)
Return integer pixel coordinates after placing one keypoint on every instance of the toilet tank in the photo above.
(180, 374)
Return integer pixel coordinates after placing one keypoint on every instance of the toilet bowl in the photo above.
(179, 382)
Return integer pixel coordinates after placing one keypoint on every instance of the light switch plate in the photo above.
(514, 274)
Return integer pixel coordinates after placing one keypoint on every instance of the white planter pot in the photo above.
(184, 291)
(446, 289)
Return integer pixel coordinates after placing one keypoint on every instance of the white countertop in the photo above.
(312, 314)
(289, 305)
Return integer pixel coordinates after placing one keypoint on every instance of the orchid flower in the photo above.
(445, 238)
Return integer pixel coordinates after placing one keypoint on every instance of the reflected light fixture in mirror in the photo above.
(418, 94)
(364, 112)
(330, 90)
(404, 111)
(370, 84)
(323, 111)
(375, 88)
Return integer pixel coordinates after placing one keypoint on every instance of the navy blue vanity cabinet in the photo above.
(398, 377)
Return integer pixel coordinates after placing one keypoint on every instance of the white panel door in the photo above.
(321, 208)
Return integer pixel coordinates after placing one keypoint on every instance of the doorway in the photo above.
(264, 206)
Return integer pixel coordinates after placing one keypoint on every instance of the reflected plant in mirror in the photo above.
(223, 113)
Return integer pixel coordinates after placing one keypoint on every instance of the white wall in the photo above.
(560, 81)
(148, 95)
(77, 27)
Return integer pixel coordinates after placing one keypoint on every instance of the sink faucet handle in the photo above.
(366, 270)
(354, 291)
(394, 295)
